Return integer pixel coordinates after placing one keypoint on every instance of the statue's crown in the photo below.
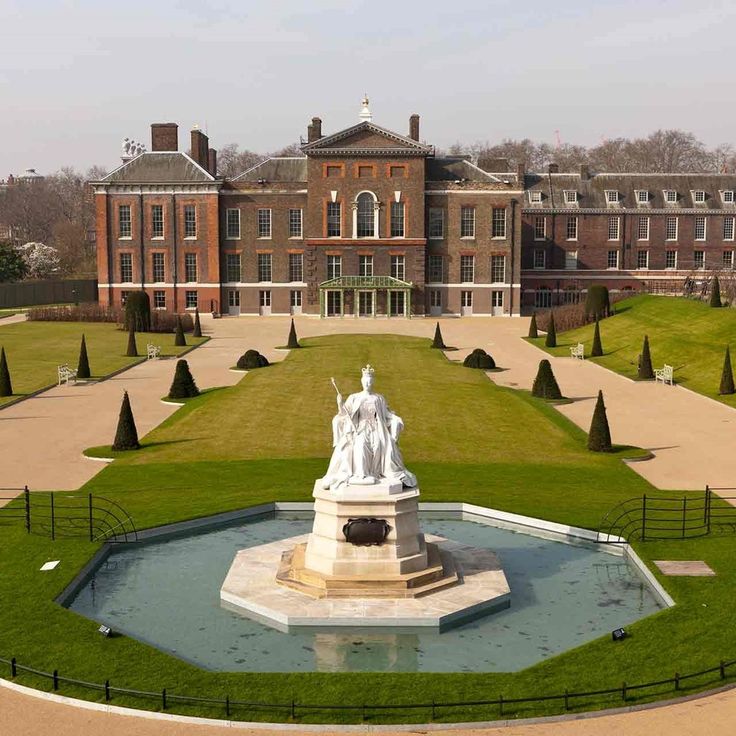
(368, 370)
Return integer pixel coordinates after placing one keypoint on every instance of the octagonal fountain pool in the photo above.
(166, 592)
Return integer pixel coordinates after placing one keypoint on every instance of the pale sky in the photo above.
(78, 76)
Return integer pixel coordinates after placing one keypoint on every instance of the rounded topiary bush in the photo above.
(479, 358)
(251, 359)
(597, 302)
(138, 311)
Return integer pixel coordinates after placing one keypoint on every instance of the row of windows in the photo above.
(642, 196)
(191, 299)
(263, 220)
(364, 171)
(125, 224)
(642, 259)
(436, 223)
(158, 267)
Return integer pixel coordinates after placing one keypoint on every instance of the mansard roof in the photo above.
(458, 168)
(159, 167)
(278, 168)
(591, 191)
(366, 139)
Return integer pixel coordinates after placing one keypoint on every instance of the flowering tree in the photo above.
(41, 260)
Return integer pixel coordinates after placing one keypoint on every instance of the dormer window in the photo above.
(612, 196)
(728, 196)
(670, 196)
(536, 197)
(571, 197)
(642, 196)
(699, 196)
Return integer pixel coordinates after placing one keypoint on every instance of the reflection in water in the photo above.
(343, 652)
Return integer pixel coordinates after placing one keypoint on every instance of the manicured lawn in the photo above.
(684, 333)
(35, 349)
(267, 438)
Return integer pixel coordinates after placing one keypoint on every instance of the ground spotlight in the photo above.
(618, 634)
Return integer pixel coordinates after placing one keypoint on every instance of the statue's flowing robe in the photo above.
(361, 451)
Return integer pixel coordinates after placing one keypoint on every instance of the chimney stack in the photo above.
(164, 137)
(314, 130)
(212, 161)
(200, 148)
(414, 127)
(584, 172)
(521, 173)
(553, 169)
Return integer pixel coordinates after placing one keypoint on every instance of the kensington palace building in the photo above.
(369, 222)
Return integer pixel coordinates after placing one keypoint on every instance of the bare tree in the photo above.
(231, 161)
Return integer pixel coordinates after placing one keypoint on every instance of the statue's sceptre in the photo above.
(342, 406)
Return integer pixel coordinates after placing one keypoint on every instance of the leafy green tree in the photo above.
(12, 265)
(597, 302)
(727, 386)
(83, 370)
(138, 311)
(551, 339)
(597, 349)
(599, 436)
(545, 384)
(6, 385)
(126, 436)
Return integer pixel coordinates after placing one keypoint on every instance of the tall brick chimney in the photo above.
(164, 137)
(200, 148)
(520, 173)
(212, 161)
(314, 130)
(584, 172)
(414, 127)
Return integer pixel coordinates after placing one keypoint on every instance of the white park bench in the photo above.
(66, 374)
(153, 351)
(578, 351)
(664, 374)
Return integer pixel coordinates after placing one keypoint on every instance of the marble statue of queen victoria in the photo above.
(365, 435)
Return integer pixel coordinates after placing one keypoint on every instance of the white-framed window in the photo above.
(699, 259)
(571, 230)
(535, 197)
(670, 228)
(728, 197)
(467, 222)
(397, 219)
(158, 268)
(295, 223)
(264, 298)
(265, 272)
(232, 224)
(190, 221)
(540, 258)
(295, 298)
(126, 268)
(670, 259)
(366, 215)
(498, 269)
(612, 196)
(540, 227)
(397, 304)
(159, 299)
(436, 223)
(334, 220)
(232, 265)
(190, 267)
(571, 197)
(125, 225)
(498, 222)
(264, 223)
(543, 297)
(614, 228)
(398, 267)
(435, 298)
(157, 221)
(612, 259)
(700, 227)
(190, 299)
(467, 269)
(124, 297)
(296, 267)
(642, 228)
(728, 228)
(436, 269)
(699, 196)
(642, 259)
(571, 260)
(334, 267)
(727, 259)
(466, 299)
(642, 196)
(365, 265)
(497, 299)
(670, 196)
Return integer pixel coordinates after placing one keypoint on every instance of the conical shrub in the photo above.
(715, 293)
(438, 342)
(551, 339)
(293, 341)
(83, 370)
(597, 350)
(179, 339)
(197, 331)
(533, 331)
(132, 351)
(727, 386)
(545, 384)
(126, 436)
(183, 385)
(645, 361)
(599, 436)
(6, 385)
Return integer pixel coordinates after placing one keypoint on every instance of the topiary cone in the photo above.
(183, 385)
(6, 385)
(715, 293)
(599, 436)
(293, 342)
(83, 365)
(438, 342)
(179, 339)
(645, 361)
(197, 331)
(132, 351)
(551, 339)
(533, 331)
(597, 350)
(727, 386)
(545, 384)
(126, 436)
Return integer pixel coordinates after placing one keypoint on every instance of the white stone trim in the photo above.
(159, 285)
(473, 191)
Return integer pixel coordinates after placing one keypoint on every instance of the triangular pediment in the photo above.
(366, 139)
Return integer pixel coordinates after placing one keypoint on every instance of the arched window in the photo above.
(366, 215)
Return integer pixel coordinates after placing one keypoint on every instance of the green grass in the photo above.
(267, 438)
(35, 349)
(684, 333)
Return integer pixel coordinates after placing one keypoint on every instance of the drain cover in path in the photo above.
(692, 568)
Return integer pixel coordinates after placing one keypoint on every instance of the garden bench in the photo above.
(153, 351)
(66, 374)
(664, 374)
(578, 351)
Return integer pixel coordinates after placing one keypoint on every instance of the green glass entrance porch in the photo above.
(365, 296)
